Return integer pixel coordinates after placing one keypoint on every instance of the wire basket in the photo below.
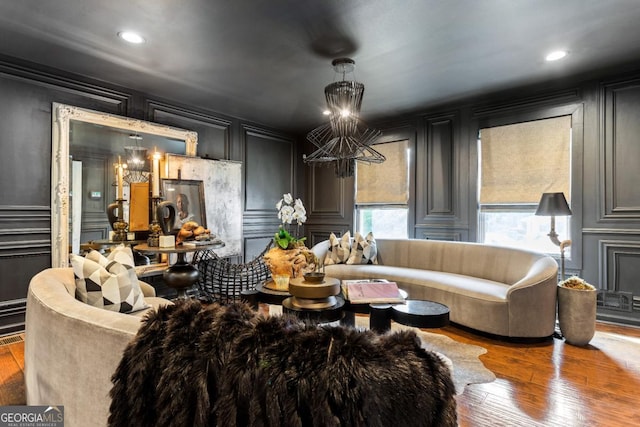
(222, 281)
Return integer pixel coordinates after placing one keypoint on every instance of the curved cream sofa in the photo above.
(73, 349)
(501, 291)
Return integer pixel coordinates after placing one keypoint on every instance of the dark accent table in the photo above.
(421, 314)
(181, 275)
(350, 310)
(316, 315)
(417, 313)
(270, 296)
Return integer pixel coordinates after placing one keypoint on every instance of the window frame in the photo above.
(404, 133)
(359, 207)
(525, 208)
(523, 113)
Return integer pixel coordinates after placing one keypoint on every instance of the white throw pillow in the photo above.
(363, 250)
(108, 282)
(339, 249)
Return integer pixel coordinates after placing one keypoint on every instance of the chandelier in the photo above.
(136, 156)
(345, 139)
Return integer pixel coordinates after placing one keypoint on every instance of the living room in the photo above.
(48, 57)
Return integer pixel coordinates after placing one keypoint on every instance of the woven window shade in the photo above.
(524, 160)
(386, 182)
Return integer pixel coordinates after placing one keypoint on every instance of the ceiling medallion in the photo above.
(345, 139)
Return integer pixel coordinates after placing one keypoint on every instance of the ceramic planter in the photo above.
(577, 314)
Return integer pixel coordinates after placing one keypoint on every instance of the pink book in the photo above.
(368, 292)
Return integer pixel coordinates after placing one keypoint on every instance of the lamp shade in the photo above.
(553, 204)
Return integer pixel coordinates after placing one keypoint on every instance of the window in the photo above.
(382, 193)
(517, 164)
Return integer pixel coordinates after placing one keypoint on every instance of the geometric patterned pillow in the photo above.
(106, 283)
(339, 249)
(363, 250)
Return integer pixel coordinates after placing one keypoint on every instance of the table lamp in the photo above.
(555, 204)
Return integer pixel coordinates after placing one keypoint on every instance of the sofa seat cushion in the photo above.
(406, 278)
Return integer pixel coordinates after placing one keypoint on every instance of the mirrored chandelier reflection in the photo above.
(345, 139)
(137, 162)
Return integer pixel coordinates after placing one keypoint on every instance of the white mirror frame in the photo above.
(61, 116)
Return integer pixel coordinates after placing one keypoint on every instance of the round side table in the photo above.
(421, 314)
(181, 275)
(316, 315)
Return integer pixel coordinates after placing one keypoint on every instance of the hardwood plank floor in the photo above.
(542, 384)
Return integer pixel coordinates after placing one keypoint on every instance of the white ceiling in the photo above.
(268, 60)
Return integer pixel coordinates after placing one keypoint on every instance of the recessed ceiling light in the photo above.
(555, 55)
(131, 37)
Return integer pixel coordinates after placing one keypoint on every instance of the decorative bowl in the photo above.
(314, 277)
(300, 288)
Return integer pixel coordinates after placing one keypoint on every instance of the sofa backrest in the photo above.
(500, 264)
(71, 348)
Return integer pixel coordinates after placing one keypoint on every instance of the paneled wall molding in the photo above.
(154, 108)
(318, 207)
(257, 225)
(605, 231)
(251, 129)
(20, 248)
(25, 208)
(614, 256)
(269, 172)
(120, 101)
(12, 315)
(10, 215)
(22, 231)
(396, 131)
(619, 150)
(449, 235)
(318, 232)
(527, 104)
(438, 168)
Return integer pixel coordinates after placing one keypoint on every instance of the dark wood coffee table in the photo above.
(351, 309)
(417, 313)
(421, 314)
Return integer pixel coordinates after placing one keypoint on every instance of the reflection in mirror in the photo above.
(87, 146)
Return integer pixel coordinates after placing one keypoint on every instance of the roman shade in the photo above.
(524, 160)
(387, 182)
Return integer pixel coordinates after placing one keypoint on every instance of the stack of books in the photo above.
(371, 291)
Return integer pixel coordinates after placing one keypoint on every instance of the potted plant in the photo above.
(577, 310)
(289, 257)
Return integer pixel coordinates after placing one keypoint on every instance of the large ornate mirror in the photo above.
(85, 145)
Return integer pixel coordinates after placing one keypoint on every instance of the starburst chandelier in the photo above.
(345, 139)
(137, 170)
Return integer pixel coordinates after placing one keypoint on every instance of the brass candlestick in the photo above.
(118, 224)
(154, 227)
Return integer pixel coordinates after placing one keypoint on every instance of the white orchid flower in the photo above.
(286, 214)
(288, 199)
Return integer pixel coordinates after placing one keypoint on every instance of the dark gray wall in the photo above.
(605, 174)
(605, 199)
(28, 91)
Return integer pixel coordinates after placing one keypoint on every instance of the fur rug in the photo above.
(194, 365)
(466, 367)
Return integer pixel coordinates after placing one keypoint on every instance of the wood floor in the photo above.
(543, 384)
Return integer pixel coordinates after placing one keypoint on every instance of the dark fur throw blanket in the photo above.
(196, 365)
